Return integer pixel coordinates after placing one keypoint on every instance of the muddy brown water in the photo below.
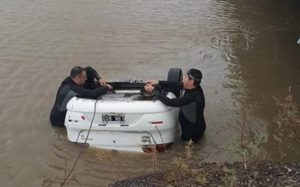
(246, 49)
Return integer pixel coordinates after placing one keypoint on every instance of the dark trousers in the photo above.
(57, 118)
(191, 131)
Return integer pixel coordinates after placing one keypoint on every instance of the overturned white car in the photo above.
(127, 119)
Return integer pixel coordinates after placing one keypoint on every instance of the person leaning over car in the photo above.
(192, 103)
(70, 87)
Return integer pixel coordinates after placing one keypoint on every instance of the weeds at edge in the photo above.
(288, 118)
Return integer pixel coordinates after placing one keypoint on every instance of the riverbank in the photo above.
(262, 173)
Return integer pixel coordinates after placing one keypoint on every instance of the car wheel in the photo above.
(175, 75)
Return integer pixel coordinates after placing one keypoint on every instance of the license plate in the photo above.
(113, 117)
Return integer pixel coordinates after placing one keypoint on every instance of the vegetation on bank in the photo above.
(257, 174)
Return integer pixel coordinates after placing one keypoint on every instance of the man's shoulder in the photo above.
(67, 80)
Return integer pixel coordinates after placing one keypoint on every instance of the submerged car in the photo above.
(127, 119)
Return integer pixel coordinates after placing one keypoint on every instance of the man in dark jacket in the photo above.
(191, 104)
(70, 87)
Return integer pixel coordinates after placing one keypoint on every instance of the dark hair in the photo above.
(195, 75)
(91, 74)
(75, 71)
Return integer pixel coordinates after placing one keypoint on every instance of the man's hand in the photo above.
(148, 88)
(102, 82)
(110, 88)
(152, 82)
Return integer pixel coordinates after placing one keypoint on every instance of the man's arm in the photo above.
(92, 93)
(169, 84)
(176, 102)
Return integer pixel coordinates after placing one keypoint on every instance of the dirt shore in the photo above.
(264, 173)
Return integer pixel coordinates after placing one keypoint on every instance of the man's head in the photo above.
(192, 78)
(78, 75)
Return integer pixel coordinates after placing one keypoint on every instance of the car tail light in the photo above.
(158, 147)
(82, 117)
(157, 122)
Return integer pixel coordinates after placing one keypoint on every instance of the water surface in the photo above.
(246, 50)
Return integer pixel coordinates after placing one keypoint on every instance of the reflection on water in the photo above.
(246, 49)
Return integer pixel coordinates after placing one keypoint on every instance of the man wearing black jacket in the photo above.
(191, 104)
(70, 87)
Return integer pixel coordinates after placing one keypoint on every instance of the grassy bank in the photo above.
(264, 173)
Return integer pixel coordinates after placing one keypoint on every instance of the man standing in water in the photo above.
(70, 87)
(191, 104)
